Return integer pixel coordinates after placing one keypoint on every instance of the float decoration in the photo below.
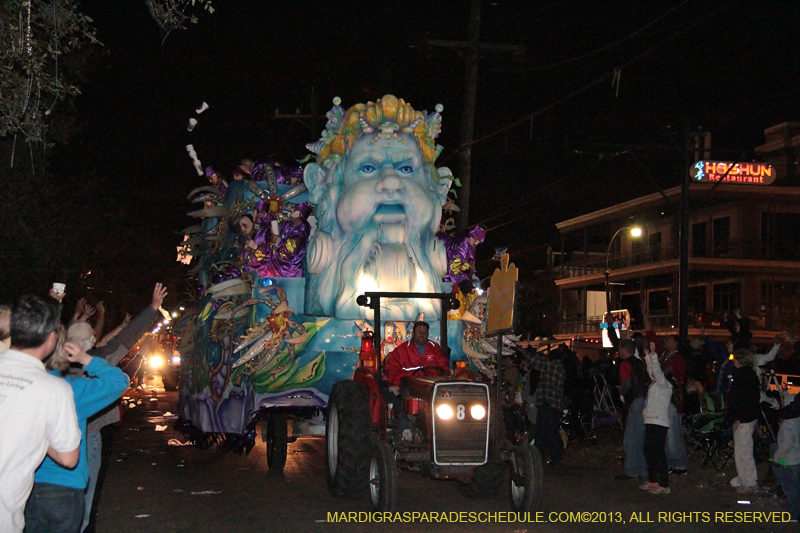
(281, 253)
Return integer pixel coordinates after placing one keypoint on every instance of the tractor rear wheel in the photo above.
(348, 440)
(277, 441)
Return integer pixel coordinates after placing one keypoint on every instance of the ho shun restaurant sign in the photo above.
(746, 173)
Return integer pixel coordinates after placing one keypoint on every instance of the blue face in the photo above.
(384, 182)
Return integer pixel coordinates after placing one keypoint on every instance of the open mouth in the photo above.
(390, 209)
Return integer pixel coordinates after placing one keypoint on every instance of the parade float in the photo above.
(282, 252)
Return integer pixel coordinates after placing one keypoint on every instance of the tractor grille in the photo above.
(460, 440)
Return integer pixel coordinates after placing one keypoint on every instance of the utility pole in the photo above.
(683, 271)
(472, 47)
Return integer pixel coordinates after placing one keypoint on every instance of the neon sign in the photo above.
(747, 173)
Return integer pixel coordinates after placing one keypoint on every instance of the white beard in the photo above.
(388, 260)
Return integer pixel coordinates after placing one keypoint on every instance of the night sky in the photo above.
(730, 68)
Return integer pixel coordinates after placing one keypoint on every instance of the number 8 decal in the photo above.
(461, 412)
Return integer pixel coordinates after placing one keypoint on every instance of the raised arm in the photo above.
(612, 335)
(117, 347)
(648, 326)
(654, 368)
(114, 332)
(108, 382)
(101, 320)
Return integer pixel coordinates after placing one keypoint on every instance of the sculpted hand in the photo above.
(159, 292)
(75, 353)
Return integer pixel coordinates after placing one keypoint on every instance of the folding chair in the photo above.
(605, 411)
(709, 434)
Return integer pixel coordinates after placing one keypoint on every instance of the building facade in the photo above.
(743, 256)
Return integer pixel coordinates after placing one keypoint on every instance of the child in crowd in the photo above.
(660, 394)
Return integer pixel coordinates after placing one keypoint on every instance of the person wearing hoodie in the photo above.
(786, 459)
(743, 409)
(660, 395)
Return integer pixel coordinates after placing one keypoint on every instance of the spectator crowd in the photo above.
(658, 387)
(59, 392)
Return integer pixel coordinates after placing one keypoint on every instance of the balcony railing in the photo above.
(596, 263)
(659, 321)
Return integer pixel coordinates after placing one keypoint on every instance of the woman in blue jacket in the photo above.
(56, 502)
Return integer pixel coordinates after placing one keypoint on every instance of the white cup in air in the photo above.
(58, 288)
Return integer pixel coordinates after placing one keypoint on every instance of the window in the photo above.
(722, 236)
(654, 246)
(782, 289)
(727, 296)
(780, 239)
(697, 298)
(632, 302)
(658, 302)
(700, 239)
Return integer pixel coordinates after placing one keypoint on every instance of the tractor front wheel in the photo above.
(526, 478)
(383, 477)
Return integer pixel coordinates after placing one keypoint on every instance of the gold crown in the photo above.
(385, 116)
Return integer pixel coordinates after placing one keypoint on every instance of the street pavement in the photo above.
(154, 484)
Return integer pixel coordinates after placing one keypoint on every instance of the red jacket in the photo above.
(406, 356)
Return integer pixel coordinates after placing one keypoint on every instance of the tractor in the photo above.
(445, 427)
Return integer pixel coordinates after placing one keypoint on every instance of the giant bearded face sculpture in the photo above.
(378, 199)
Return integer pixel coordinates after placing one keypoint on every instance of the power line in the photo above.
(521, 201)
(576, 92)
(560, 63)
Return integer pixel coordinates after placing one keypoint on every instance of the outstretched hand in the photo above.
(56, 296)
(75, 353)
(88, 312)
(159, 293)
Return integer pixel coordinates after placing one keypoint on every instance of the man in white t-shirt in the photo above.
(37, 410)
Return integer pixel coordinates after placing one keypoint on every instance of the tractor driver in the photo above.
(416, 357)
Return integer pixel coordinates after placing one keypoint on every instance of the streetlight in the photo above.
(635, 232)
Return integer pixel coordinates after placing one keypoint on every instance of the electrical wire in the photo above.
(583, 89)
(604, 48)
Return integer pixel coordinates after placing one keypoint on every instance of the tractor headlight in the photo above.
(156, 361)
(176, 359)
(444, 411)
(477, 412)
